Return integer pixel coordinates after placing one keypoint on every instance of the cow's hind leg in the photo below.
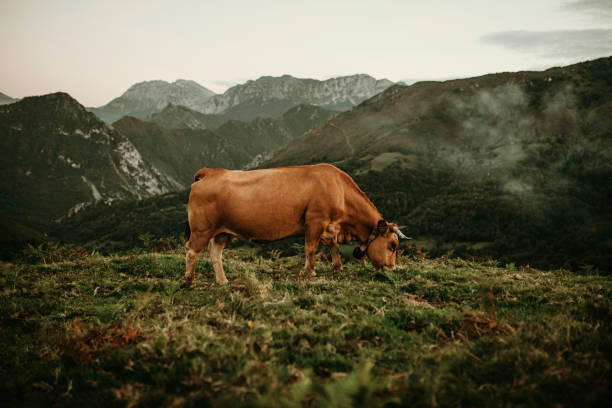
(215, 248)
(196, 244)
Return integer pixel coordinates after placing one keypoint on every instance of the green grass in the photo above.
(445, 332)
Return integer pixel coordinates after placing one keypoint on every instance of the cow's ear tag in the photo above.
(358, 253)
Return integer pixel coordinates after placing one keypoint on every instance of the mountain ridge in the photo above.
(147, 97)
(5, 99)
(181, 117)
(340, 92)
(266, 96)
(52, 144)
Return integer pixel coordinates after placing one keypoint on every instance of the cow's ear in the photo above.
(382, 227)
(358, 253)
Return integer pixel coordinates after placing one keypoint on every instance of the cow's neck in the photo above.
(363, 225)
(363, 216)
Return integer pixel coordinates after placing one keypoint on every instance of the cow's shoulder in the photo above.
(332, 171)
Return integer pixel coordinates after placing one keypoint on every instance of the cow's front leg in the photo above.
(311, 243)
(329, 238)
(191, 257)
(334, 249)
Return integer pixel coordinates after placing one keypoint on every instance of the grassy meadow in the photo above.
(82, 329)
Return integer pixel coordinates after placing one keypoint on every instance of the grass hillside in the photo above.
(122, 226)
(81, 329)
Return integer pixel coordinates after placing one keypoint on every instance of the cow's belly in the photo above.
(263, 218)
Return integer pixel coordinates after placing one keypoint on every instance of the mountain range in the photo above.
(265, 97)
(277, 94)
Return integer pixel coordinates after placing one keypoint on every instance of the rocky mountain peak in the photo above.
(171, 91)
(145, 98)
(60, 100)
(188, 83)
(49, 110)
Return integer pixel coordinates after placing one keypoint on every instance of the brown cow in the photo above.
(319, 201)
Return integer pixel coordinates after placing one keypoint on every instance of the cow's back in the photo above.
(266, 204)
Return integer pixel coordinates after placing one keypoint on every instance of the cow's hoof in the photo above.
(222, 282)
(308, 274)
(186, 283)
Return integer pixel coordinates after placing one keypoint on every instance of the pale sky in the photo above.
(95, 50)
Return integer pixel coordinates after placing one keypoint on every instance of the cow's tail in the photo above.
(200, 174)
(186, 222)
(187, 230)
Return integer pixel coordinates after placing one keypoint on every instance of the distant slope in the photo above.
(259, 108)
(179, 153)
(5, 99)
(145, 98)
(263, 134)
(302, 118)
(512, 164)
(181, 117)
(58, 158)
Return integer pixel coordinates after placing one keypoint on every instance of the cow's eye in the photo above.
(393, 246)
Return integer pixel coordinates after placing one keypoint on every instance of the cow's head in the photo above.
(382, 245)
